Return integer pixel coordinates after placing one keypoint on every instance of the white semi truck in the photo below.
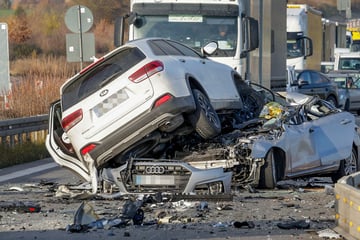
(304, 32)
(255, 41)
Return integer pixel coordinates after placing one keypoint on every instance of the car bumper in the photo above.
(174, 176)
(132, 132)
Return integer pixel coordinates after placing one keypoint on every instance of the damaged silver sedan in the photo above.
(296, 136)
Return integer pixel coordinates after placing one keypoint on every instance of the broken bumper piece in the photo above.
(143, 175)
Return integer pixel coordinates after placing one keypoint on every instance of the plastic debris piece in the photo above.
(19, 206)
(19, 189)
(294, 224)
(329, 234)
(248, 224)
(85, 214)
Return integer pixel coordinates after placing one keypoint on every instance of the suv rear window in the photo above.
(100, 75)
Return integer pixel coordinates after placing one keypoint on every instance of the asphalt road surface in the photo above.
(249, 215)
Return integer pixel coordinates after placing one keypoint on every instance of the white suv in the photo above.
(138, 96)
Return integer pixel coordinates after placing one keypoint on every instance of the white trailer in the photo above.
(255, 45)
(304, 33)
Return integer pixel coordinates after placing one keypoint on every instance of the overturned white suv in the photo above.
(141, 95)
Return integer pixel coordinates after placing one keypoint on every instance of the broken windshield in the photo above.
(193, 31)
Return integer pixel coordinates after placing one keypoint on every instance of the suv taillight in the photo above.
(88, 148)
(146, 71)
(72, 119)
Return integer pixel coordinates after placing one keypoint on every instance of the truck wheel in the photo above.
(347, 166)
(205, 120)
(332, 100)
(269, 172)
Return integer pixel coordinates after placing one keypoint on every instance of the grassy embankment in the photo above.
(35, 84)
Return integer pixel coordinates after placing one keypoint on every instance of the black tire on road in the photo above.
(205, 120)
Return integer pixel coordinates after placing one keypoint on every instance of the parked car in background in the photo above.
(311, 82)
(349, 90)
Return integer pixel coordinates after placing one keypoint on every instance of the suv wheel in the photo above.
(205, 120)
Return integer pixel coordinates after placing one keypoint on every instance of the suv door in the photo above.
(58, 144)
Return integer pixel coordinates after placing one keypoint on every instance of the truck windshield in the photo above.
(193, 31)
(349, 64)
(294, 48)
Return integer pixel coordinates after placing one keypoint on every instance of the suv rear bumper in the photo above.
(132, 132)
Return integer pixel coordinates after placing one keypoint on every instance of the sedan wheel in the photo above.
(347, 166)
(267, 172)
(205, 119)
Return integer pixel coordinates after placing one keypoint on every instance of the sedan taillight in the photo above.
(72, 119)
(146, 71)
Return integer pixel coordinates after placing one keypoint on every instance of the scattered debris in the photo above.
(64, 192)
(247, 224)
(329, 234)
(294, 224)
(19, 189)
(19, 206)
(85, 217)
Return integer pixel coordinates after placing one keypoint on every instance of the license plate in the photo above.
(110, 103)
(154, 180)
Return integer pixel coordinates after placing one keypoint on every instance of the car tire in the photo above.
(205, 120)
(347, 166)
(332, 100)
(267, 172)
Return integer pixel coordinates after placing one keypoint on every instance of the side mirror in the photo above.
(306, 46)
(209, 48)
(250, 31)
(302, 83)
(135, 19)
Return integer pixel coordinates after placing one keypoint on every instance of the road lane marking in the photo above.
(27, 171)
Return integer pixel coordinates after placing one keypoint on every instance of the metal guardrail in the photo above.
(18, 130)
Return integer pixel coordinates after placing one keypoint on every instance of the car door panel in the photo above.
(329, 146)
(58, 146)
(301, 148)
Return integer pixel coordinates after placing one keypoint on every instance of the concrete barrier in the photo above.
(347, 206)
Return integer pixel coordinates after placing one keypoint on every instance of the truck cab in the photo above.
(347, 61)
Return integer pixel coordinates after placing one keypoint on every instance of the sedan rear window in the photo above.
(100, 75)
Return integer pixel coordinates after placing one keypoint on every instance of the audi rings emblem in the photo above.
(155, 170)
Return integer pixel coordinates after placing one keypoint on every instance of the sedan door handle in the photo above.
(345, 121)
(311, 130)
(182, 60)
(202, 61)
